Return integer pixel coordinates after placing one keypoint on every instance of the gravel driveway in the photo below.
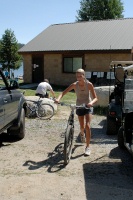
(33, 169)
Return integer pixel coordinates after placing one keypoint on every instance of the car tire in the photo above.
(112, 128)
(18, 132)
(120, 138)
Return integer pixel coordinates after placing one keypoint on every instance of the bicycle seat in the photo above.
(40, 95)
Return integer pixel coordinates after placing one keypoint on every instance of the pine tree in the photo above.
(9, 57)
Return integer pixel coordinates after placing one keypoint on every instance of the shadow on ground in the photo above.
(6, 138)
(113, 180)
(54, 162)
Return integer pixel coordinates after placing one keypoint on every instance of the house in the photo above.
(58, 51)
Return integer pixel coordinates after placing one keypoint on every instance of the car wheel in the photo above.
(18, 132)
(120, 138)
(111, 126)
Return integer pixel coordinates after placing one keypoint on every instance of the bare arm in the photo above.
(71, 87)
(52, 92)
(93, 93)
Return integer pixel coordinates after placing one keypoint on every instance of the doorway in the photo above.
(37, 69)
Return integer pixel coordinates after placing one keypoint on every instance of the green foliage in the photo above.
(9, 57)
(20, 45)
(100, 9)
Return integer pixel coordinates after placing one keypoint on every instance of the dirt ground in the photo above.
(33, 168)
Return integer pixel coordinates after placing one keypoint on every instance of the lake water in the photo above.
(19, 72)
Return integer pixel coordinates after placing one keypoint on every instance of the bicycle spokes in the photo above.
(45, 111)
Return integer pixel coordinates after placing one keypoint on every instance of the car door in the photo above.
(9, 106)
(13, 104)
(9, 100)
(6, 101)
(1, 112)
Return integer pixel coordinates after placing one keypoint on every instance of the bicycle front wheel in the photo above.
(68, 143)
(45, 111)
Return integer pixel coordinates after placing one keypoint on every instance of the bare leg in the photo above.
(81, 122)
(88, 118)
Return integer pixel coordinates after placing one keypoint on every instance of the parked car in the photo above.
(12, 108)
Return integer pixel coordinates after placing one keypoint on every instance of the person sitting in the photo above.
(42, 89)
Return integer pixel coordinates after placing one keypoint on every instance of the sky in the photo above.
(28, 18)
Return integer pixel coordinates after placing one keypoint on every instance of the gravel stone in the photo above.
(33, 168)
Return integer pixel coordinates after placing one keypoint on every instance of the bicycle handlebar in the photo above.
(74, 106)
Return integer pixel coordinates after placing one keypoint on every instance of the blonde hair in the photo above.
(81, 71)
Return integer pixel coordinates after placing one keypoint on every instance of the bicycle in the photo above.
(38, 109)
(69, 133)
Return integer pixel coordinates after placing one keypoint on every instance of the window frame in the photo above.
(72, 57)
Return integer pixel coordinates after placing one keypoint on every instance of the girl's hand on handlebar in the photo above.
(89, 105)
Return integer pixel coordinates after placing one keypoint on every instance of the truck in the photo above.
(12, 108)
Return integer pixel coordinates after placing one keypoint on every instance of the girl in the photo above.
(83, 89)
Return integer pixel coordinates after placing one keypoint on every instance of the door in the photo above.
(1, 113)
(37, 69)
(9, 108)
(9, 100)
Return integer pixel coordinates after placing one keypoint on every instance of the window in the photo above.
(2, 84)
(71, 64)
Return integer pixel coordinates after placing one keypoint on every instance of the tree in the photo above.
(20, 45)
(100, 9)
(9, 57)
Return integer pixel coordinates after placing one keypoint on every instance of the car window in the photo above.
(2, 84)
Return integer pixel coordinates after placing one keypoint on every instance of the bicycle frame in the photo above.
(71, 117)
(69, 134)
(41, 110)
(33, 109)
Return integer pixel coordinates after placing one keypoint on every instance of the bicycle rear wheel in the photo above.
(31, 109)
(68, 143)
(45, 111)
